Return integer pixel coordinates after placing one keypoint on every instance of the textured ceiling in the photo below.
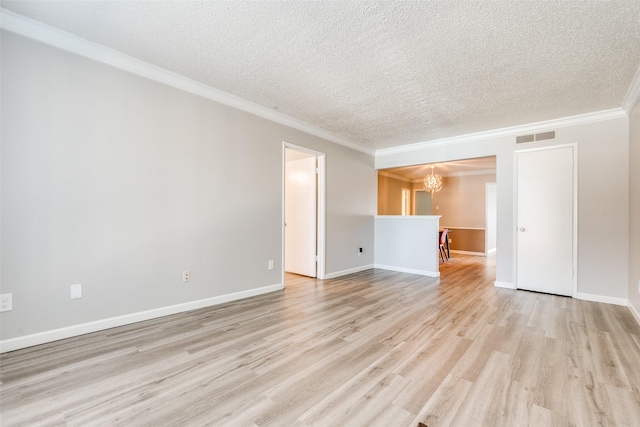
(381, 74)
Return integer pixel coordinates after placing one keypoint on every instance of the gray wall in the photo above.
(121, 183)
(634, 207)
(603, 206)
(603, 198)
(422, 201)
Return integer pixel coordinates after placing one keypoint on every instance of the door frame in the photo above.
(486, 216)
(320, 206)
(575, 211)
(414, 198)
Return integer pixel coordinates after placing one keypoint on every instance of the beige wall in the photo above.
(461, 202)
(467, 240)
(634, 206)
(390, 195)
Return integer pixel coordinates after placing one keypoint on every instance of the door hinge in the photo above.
(317, 171)
(316, 258)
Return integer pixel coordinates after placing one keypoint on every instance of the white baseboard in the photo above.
(455, 251)
(491, 251)
(634, 311)
(506, 285)
(408, 270)
(348, 271)
(602, 298)
(100, 325)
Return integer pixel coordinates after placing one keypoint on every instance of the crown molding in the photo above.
(508, 131)
(394, 176)
(36, 30)
(632, 94)
(469, 173)
(461, 173)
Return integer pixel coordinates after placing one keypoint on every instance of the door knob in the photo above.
(521, 228)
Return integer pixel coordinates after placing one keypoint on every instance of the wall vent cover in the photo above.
(525, 138)
(542, 136)
(546, 135)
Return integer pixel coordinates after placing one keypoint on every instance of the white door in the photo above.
(545, 220)
(300, 216)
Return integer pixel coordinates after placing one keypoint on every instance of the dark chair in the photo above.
(443, 245)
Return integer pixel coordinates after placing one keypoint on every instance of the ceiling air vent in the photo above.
(542, 136)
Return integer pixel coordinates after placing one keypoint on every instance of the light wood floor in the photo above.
(374, 348)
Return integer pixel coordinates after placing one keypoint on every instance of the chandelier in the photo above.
(433, 182)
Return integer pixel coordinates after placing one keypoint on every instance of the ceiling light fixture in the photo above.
(433, 182)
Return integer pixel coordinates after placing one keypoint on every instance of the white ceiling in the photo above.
(380, 73)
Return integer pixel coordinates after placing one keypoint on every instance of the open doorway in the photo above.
(467, 202)
(303, 212)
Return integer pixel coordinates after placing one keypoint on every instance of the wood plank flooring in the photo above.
(373, 348)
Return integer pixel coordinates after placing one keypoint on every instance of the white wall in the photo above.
(120, 183)
(408, 243)
(603, 197)
(490, 216)
(634, 209)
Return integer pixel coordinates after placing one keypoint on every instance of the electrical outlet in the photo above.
(450, 240)
(270, 265)
(360, 251)
(6, 302)
(186, 276)
(76, 291)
